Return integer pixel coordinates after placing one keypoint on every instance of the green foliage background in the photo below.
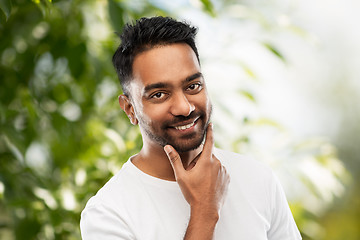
(62, 134)
(48, 68)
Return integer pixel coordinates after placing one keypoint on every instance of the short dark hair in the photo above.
(145, 34)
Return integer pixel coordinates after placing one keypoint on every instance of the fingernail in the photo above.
(167, 149)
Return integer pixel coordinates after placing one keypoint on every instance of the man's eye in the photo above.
(158, 95)
(194, 86)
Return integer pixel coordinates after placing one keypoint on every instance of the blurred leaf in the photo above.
(274, 51)
(116, 13)
(45, 6)
(267, 122)
(75, 56)
(248, 95)
(27, 229)
(5, 6)
(209, 7)
(248, 71)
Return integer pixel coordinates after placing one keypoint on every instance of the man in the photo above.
(178, 186)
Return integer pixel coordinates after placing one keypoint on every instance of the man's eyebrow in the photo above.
(194, 76)
(155, 85)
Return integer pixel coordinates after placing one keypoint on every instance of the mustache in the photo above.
(180, 119)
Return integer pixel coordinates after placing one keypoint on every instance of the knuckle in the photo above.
(180, 179)
(174, 158)
(217, 163)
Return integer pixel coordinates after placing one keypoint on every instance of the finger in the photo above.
(175, 160)
(209, 142)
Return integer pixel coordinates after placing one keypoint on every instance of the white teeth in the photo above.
(185, 126)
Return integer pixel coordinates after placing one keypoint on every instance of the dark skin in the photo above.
(168, 84)
(203, 183)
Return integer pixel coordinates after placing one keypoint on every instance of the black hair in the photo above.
(145, 34)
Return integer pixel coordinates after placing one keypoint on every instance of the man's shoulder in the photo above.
(112, 190)
(242, 163)
(229, 157)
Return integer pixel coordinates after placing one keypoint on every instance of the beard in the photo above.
(160, 134)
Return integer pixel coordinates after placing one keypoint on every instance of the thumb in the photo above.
(175, 160)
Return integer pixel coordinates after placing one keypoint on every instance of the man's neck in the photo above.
(153, 160)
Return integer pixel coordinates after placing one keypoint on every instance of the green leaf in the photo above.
(267, 122)
(116, 13)
(208, 7)
(248, 70)
(27, 228)
(275, 51)
(74, 54)
(248, 95)
(5, 6)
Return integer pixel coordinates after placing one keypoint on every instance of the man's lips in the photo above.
(185, 125)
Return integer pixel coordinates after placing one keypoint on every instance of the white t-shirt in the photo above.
(135, 205)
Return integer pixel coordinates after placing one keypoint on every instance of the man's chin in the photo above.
(183, 149)
(186, 147)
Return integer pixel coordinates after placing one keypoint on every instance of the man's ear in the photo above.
(128, 108)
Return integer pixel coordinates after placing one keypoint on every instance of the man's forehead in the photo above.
(163, 58)
(170, 65)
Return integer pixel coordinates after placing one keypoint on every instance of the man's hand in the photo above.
(203, 184)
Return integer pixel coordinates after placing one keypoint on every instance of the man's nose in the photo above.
(181, 106)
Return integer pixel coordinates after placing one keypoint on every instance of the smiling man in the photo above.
(179, 186)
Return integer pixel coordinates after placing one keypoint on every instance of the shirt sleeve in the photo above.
(283, 226)
(99, 222)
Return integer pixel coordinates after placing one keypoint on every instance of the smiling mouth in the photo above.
(187, 126)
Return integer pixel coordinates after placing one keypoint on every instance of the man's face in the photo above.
(169, 97)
